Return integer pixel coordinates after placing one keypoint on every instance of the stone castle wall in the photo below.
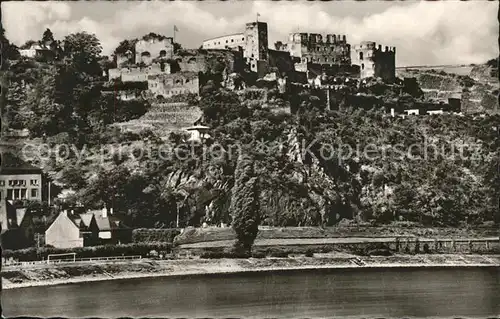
(167, 85)
(316, 48)
(147, 50)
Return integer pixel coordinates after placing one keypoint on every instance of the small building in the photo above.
(198, 133)
(17, 227)
(110, 229)
(37, 51)
(94, 227)
(71, 230)
(19, 180)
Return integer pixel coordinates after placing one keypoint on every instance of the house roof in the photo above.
(11, 164)
(107, 223)
(10, 217)
(86, 218)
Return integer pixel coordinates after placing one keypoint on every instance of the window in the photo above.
(232, 40)
(226, 41)
(11, 183)
(34, 193)
(23, 193)
(362, 66)
(361, 55)
(16, 193)
(10, 194)
(2, 183)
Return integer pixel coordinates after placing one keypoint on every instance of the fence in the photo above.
(76, 260)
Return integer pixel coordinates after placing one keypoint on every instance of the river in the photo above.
(436, 292)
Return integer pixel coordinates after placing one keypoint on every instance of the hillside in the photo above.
(477, 85)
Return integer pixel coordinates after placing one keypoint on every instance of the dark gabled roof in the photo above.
(11, 164)
(10, 216)
(107, 223)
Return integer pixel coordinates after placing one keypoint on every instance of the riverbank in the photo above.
(46, 275)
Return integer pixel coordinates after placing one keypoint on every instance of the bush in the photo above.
(146, 235)
(141, 249)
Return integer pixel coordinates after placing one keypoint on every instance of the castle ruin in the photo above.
(150, 48)
(316, 48)
(375, 62)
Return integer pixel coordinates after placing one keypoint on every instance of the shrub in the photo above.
(145, 235)
(141, 249)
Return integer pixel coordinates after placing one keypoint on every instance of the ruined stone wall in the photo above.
(147, 50)
(376, 62)
(137, 74)
(327, 49)
(168, 85)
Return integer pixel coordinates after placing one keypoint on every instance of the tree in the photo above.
(84, 50)
(244, 205)
(82, 43)
(47, 36)
(125, 46)
(9, 50)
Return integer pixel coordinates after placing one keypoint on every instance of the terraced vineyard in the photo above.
(164, 118)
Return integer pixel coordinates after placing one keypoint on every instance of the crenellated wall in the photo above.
(327, 49)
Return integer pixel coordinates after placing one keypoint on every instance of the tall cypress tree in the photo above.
(245, 204)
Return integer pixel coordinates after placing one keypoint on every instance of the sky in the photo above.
(423, 32)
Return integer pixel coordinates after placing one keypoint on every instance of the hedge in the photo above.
(146, 235)
(141, 249)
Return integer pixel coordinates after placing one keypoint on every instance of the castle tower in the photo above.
(375, 61)
(256, 43)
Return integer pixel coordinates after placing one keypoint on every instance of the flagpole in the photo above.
(174, 33)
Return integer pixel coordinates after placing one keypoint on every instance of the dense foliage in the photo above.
(245, 204)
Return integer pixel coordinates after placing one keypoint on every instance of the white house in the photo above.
(198, 132)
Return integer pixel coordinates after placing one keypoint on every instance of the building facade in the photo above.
(231, 41)
(376, 62)
(21, 183)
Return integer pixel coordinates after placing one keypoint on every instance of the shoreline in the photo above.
(200, 267)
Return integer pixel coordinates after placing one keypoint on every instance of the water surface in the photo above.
(471, 292)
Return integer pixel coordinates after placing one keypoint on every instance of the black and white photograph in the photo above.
(250, 159)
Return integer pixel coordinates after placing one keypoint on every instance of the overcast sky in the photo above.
(430, 33)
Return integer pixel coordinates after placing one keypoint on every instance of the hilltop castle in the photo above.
(308, 51)
(153, 58)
